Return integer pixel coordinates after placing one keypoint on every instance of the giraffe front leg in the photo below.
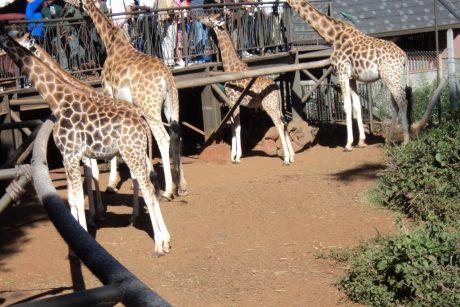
(236, 137)
(271, 106)
(100, 208)
(345, 86)
(113, 177)
(88, 177)
(288, 141)
(75, 190)
(358, 114)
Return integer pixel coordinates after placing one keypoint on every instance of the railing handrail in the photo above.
(147, 11)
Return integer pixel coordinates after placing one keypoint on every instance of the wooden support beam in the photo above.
(190, 126)
(451, 71)
(230, 113)
(218, 78)
(418, 126)
(251, 74)
(308, 94)
(309, 75)
(15, 117)
(221, 94)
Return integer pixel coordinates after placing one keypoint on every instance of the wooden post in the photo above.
(451, 69)
(211, 111)
(436, 36)
(7, 146)
(296, 93)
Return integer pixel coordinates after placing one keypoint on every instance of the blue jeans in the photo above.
(201, 34)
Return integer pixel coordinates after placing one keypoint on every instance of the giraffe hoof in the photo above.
(346, 149)
(168, 196)
(111, 190)
(286, 163)
(361, 145)
(182, 192)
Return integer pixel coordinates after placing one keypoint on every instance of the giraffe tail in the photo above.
(175, 149)
(409, 99)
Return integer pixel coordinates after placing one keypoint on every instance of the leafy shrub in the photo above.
(417, 269)
(421, 97)
(423, 177)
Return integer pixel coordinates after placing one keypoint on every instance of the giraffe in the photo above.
(359, 57)
(47, 59)
(90, 126)
(147, 82)
(264, 92)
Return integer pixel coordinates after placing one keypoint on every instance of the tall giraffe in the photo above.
(46, 58)
(93, 127)
(145, 81)
(264, 92)
(359, 57)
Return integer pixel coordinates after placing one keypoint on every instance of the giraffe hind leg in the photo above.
(138, 167)
(358, 114)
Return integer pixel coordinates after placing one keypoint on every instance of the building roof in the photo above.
(386, 17)
(378, 16)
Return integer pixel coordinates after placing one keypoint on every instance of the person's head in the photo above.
(214, 21)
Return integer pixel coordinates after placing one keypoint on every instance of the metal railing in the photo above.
(257, 28)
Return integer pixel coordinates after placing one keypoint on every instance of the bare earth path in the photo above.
(247, 235)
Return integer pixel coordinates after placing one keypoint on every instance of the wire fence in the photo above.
(419, 61)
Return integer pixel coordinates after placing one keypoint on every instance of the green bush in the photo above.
(422, 95)
(418, 269)
(423, 177)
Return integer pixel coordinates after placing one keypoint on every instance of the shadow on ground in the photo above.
(335, 135)
(365, 171)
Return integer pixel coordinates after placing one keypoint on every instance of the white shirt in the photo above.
(148, 3)
(118, 6)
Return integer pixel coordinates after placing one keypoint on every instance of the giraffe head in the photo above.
(214, 21)
(23, 41)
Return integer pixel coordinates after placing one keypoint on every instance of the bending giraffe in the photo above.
(46, 58)
(93, 127)
(359, 57)
(147, 82)
(264, 92)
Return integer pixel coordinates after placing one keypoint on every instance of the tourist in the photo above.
(36, 28)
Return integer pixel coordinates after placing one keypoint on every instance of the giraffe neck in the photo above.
(46, 58)
(41, 76)
(230, 58)
(329, 28)
(103, 25)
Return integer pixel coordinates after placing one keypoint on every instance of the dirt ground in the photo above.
(247, 234)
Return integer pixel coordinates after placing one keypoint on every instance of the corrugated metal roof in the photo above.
(379, 16)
